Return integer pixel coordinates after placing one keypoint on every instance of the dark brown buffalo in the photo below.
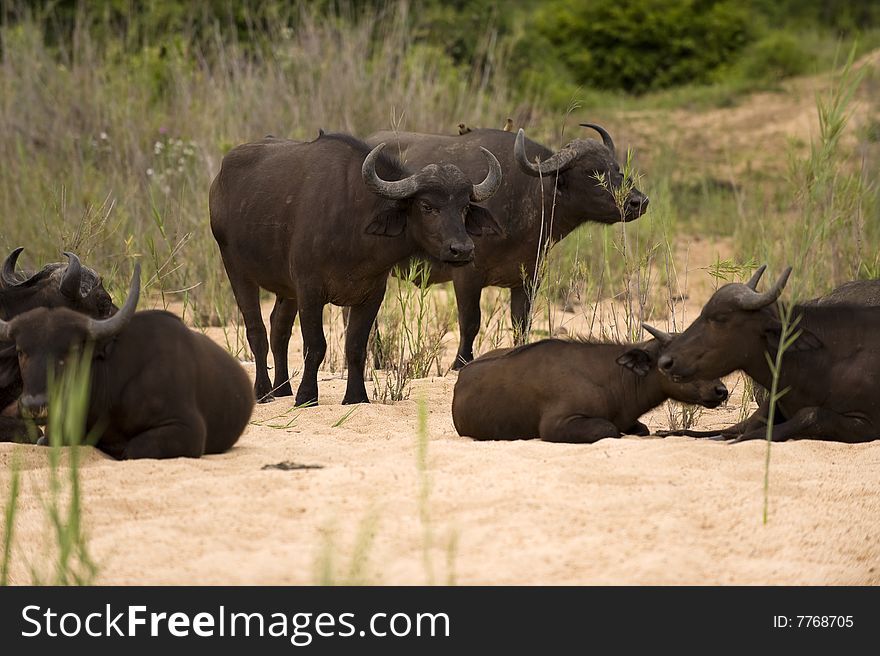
(70, 285)
(325, 222)
(831, 371)
(158, 389)
(535, 203)
(856, 292)
(568, 391)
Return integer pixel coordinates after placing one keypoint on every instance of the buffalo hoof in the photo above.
(353, 400)
(305, 401)
(460, 361)
(267, 398)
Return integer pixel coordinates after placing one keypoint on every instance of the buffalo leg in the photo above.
(576, 429)
(281, 323)
(360, 322)
(639, 429)
(520, 309)
(311, 311)
(819, 423)
(13, 429)
(247, 295)
(468, 290)
(176, 440)
(756, 421)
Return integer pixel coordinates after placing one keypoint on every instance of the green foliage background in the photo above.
(554, 47)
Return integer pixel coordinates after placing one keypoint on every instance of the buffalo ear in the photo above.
(479, 222)
(806, 340)
(638, 360)
(389, 223)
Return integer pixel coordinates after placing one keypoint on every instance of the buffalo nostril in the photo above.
(461, 251)
(638, 203)
(34, 401)
(665, 363)
(721, 392)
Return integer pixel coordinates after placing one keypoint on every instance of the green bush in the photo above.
(774, 57)
(642, 45)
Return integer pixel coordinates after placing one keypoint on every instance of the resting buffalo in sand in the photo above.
(567, 179)
(568, 391)
(68, 285)
(325, 222)
(831, 371)
(865, 293)
(158, 389)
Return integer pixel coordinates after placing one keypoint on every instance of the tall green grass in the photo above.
(62, 498)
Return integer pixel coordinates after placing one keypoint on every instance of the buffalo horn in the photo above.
(70, 281)
(606, 138)
(748, 299)
(7, 274)
(756, 277)
(100, 329)
(659, 335)
(556, 162)
(396, 190)
(489, 186)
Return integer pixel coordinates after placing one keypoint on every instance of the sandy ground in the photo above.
(626, 511)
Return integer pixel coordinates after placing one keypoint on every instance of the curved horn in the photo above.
(7, 274)
(747, 299)
(489, 186)
(396, 190)
(556, 162)
(756, 277)
(70, 281)
(606, 138)
(659, 335)
(106, 328)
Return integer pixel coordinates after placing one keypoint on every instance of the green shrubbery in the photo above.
(644, 45)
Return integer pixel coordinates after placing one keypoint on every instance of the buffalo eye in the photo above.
(427, 208)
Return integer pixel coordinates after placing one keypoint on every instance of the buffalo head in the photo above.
(439, 207)
(57, 285)
(46, 337)
(642, 358)
(734, 330)
(589, 176)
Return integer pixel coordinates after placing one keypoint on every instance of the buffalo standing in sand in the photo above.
(536, 203)
(325, 222)
(158, 389)
(568, 391)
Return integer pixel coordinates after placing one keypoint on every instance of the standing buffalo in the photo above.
(536, 203)
(325, 222)
(158, 389)
(568, 391)
(831, 371)
(68, 285)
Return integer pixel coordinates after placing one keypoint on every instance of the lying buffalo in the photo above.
(68, 285)
(325, 222)
(568, 391)
(865, 293)
(536, 203)
(158, 389)
(831, 371)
